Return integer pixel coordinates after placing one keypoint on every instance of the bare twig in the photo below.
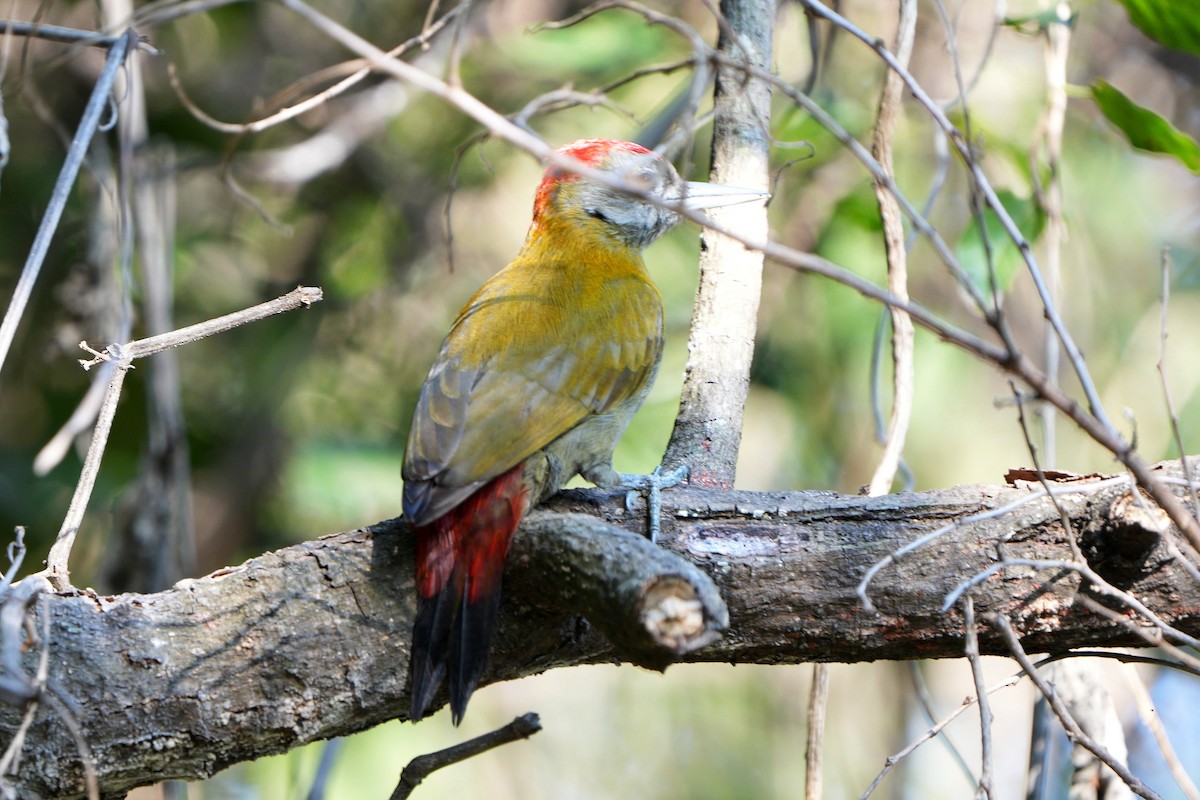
(1153, 636)
(96, 106)
(1084, 693)
(818, 701)
(925, 700)
(358, 74)
(985, 710)
(60, 551)
(897, 261)
(329, 756)
(892, 760)
(1097, 583)
(16, 556)
(52, 453)
(57, 33)
(1064, 715)
(1038, 494)
(1164, 303)
(1068, 530)
(301, 296)
(1151, 719)
(1049, 137)
(422, 766)
(123, 356)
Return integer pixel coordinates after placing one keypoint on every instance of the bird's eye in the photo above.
(643, 180)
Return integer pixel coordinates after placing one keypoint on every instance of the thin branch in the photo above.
(971, 646)
(1041, 473)
(96, 105)
(421, 767)
(358, 74)
(301, 296)
(897, 261)
(818, 702)
(1097, 583)
(961, 144)
(1076, 733)
(329, 756)
(16, 557)
(1164, 304)
(708, 428)
(892, 760)
(122, 357)
(57, 33)
(1153, 637)
(158, 12)
(1153, 722)
(60, 551)
(1037, 494)
(1049, 136)
(52, 453)
(925, 700)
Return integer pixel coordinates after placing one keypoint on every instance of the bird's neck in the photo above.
(583, 240)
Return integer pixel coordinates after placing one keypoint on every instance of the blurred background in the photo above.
(294, 426)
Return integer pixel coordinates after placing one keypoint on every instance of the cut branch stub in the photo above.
(651, 604)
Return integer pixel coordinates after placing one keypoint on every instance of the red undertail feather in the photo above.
(460, 560)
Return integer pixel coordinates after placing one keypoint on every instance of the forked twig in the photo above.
(892, 760)
(122, 356)
(1077, 734)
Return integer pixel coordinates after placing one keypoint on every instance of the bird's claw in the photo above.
(652, 484)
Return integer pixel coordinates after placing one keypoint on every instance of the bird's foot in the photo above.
(652, 484)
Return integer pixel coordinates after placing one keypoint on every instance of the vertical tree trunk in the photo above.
(708, 428)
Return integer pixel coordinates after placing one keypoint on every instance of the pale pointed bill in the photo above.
(699, 195)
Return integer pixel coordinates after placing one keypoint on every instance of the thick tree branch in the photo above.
(311, 641)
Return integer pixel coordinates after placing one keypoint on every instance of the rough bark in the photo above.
(311, 641)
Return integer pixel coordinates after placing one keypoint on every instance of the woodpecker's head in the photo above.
(611, 213)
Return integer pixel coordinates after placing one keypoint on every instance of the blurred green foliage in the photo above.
(1145, 129)
(296, 425)
(1170, 22)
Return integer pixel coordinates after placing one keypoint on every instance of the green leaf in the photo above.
(1174, 23)
(1006, 257)
(1145, 129)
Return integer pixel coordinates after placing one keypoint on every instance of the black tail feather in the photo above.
(469, 647)
(451, 637)
(430, 643)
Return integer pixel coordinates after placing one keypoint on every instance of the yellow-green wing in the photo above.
(527, 361)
